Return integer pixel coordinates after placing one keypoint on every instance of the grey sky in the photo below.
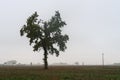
(93, 27)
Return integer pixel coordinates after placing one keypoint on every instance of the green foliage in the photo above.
(46, 35)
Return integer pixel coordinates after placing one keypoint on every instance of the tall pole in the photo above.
(103, 59)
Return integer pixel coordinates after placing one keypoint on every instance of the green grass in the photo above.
(60, 73)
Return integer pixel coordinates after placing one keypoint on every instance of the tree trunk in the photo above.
(45, 59)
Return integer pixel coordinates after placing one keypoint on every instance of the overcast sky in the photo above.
(92, 25)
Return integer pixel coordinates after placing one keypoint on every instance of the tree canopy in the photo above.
(46, 35)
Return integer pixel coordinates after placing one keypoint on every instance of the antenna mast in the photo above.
(103, 59)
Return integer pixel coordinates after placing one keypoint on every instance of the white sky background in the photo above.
(92, 25)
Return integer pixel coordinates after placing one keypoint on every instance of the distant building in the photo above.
(76, 63)
(117, 64)
(60, 64)
(12, 62)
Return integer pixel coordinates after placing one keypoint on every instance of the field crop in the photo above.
(60, 73)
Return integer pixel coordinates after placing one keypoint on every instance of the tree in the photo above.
(45, 35)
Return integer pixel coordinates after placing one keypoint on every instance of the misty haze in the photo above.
(60, 40)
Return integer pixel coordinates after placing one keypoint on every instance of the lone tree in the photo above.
(45, 35)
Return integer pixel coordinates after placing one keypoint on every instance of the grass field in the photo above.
(60, 73)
